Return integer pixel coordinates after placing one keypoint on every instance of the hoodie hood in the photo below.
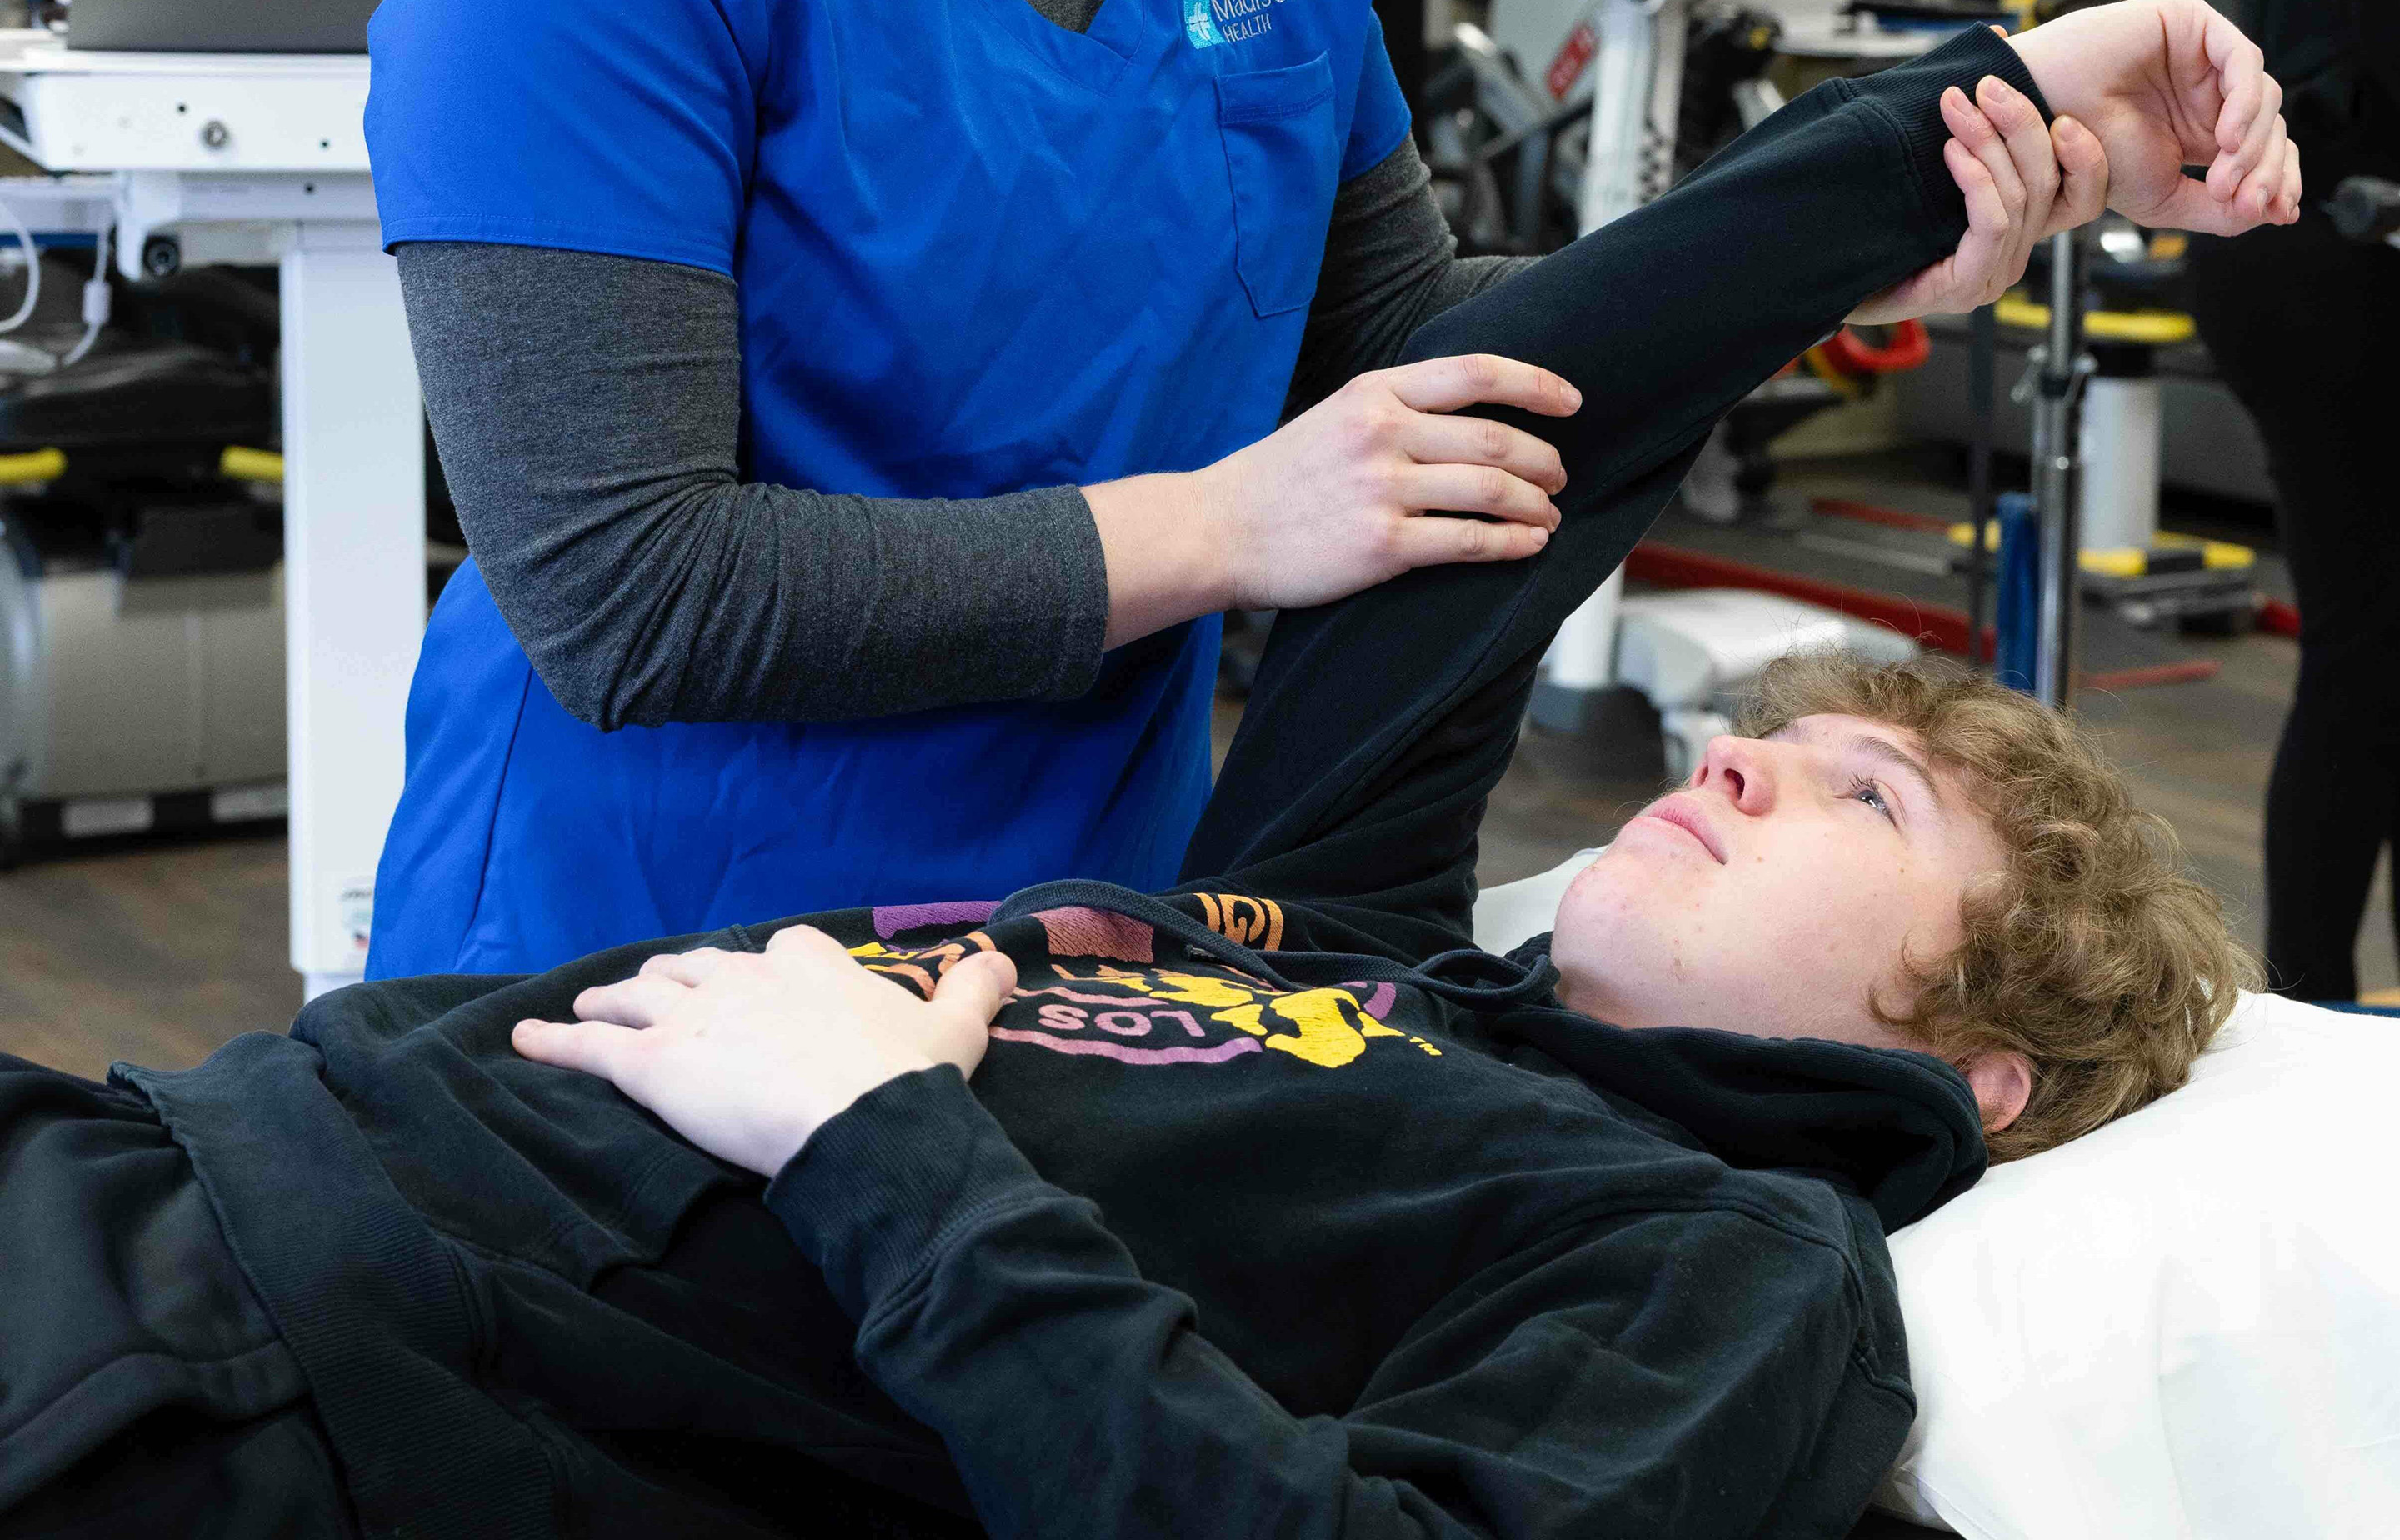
(1899, 1129)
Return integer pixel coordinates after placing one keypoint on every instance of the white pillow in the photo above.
(2187, 1324)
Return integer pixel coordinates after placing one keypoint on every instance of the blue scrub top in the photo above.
(977, 253)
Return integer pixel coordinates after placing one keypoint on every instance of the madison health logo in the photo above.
(1209, 22)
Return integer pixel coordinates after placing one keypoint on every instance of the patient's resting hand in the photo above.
(748, 1053)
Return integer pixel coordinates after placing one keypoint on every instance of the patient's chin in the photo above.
(1616, 899)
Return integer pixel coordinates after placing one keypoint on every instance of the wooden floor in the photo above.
(157, 953)
(154, 953)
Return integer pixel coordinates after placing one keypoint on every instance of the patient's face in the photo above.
(1777, 888)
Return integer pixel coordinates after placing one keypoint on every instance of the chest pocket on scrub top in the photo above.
(1278, 125)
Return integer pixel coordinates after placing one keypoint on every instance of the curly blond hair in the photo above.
(2095, 955)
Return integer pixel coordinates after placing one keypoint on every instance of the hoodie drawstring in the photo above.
(1501, 984)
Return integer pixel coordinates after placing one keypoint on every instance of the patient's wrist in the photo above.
(2067, 64)
(2036, 54)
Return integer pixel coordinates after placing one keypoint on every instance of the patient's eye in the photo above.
(1868, 792)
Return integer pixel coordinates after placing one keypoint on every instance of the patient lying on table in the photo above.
(1265, 1204)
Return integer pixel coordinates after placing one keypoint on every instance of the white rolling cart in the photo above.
(261, 158)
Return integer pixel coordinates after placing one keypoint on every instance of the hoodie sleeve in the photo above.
(1672, 1373)
(1378, 725)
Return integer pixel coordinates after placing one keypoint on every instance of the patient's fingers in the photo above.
(2188, 206)
(977, 986)
(2263, 189)
(1430, 439)
(641, 1000)
(2253, 106)
(594, 1047)
(1469, 379)
(686, 968)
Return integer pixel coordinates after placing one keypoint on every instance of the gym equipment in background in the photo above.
(142, 618)
(1693, 653)
(2366, 208)
(220, 26)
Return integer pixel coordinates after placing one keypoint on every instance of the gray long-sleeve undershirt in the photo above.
(588, 409)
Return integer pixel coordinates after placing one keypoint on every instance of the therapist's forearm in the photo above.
(588, 410)
(1164, 561)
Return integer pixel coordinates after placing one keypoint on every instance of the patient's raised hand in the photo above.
(748, 1053)
(2167, 84)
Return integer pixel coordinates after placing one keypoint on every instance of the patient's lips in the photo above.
(1684, 812)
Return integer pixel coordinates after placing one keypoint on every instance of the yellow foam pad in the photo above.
(42, 465)
(2158, 328)
(250, 465)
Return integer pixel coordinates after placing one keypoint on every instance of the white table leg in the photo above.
(354, 578)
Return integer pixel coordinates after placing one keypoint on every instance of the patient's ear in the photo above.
(2002, 1083)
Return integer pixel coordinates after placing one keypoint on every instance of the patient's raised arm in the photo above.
(1378, 723)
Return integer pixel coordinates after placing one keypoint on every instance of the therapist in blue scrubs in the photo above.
(859, 413)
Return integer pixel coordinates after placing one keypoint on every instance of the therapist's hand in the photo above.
(748, 1053)
(2024, 182)
(1358, 489)
(2167, 84)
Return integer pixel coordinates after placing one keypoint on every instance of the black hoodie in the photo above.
(1274, 1207)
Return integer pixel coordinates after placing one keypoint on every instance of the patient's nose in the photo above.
(1739, 770)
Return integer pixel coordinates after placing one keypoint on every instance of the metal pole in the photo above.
(2054, 475)
(1982, 346)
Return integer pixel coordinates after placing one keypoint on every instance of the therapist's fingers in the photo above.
(1968, 275)
(1482, 379)
(1974, 134)
(642, 1000)
(2083, 177)
(1485, 489)
(1980, 265)
(1434, 440)
(2032, 155)
(593, 1047)
(1989, 139)
(1437, 541)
